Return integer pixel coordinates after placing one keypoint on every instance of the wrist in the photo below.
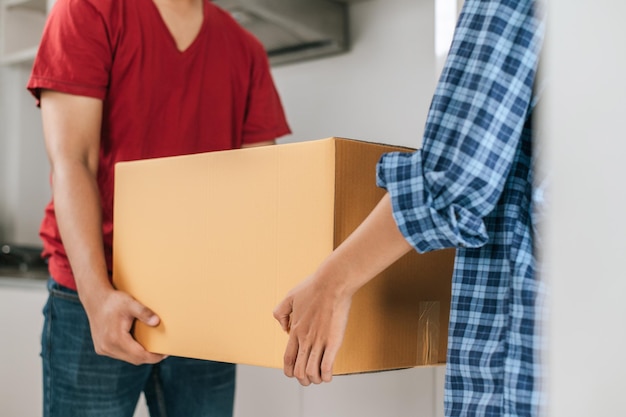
(92, 289)
(339, 278)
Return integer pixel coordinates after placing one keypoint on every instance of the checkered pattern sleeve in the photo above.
(442, 193)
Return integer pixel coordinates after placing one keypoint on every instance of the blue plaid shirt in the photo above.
(471, 187)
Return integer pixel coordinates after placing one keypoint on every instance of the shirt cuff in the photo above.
(423, 219)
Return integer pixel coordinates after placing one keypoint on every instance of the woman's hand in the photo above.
(315, 313)
(315, 316)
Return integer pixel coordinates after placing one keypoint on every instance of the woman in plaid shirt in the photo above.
(470, 187)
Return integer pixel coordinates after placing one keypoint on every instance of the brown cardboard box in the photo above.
(212, 242)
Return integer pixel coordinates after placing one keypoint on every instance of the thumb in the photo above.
(282, 314)
(145, 315)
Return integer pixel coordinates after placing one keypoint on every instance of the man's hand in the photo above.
(315, 316)
(72, 126)
(111, 320)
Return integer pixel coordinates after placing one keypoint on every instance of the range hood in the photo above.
(294, 30)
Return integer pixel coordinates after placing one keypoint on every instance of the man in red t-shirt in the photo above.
(125, 80)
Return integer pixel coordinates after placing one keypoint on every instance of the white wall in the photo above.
(8, 143)
(586, 228)
(24, 166)
(20, 343)
(380, 91)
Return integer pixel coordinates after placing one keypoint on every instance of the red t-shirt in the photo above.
(158, 101)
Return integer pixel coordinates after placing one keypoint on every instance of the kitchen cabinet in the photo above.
(21, 25)
(21, 303)
(293, 33)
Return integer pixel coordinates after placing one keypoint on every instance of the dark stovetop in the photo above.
(28, 274)
(22, 261)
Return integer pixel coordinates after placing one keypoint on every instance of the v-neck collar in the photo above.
(168, 33)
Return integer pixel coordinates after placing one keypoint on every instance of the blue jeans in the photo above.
(78, 382)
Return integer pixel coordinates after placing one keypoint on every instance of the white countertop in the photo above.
(22, 282)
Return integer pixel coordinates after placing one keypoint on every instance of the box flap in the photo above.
(400, 318)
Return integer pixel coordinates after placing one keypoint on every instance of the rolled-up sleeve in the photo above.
(421, 217)
(442, 193)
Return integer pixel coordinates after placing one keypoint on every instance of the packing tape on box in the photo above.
(428, 333)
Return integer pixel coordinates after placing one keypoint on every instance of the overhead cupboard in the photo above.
(290, 30)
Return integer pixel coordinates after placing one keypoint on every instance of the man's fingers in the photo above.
(124, 347)
(112, 324)
(137, 355)
(136, 352)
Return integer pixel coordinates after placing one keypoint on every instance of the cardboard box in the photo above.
(212, 242)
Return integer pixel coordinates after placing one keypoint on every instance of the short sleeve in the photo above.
(265, 117)
(74, 55)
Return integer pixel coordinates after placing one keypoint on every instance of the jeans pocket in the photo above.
(57, 290)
